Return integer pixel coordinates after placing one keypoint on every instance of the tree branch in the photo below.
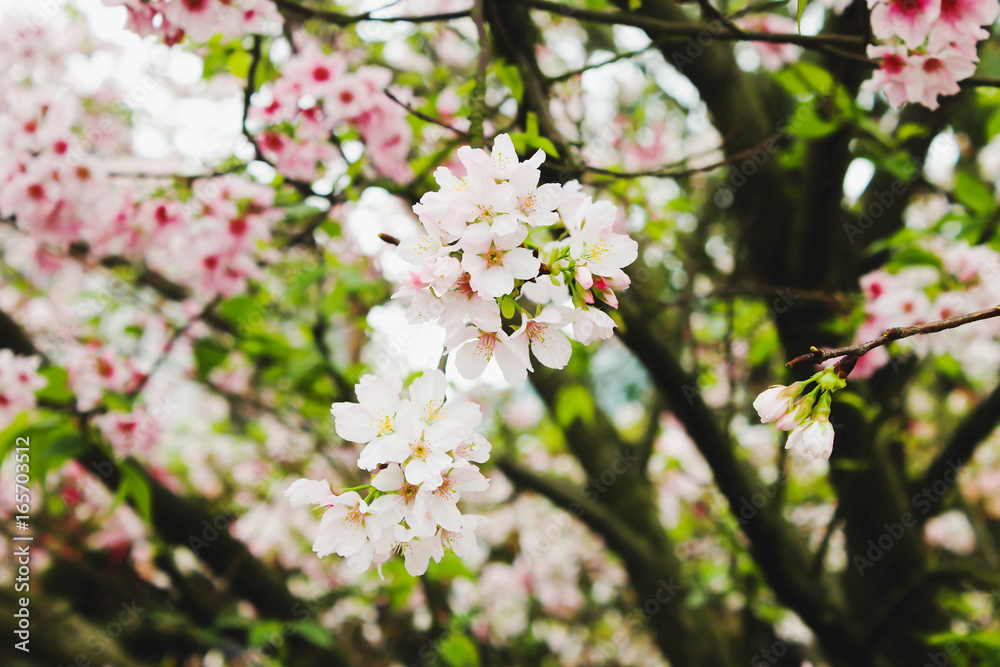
(778, 549)
(622, 539)
(342, 20)
(896, 333)
(683, 29)
(479, 91)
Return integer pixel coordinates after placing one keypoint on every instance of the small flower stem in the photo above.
(815, 355)
(356, 488)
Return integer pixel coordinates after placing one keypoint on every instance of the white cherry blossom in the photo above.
(494, 262)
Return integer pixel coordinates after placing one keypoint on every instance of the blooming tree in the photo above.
(589, 333)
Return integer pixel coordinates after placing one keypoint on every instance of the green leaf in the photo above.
(262, 632)
(238, 308)
(909, 130)
(507, 307)
(9, 436)
(56, 390)
(238, 64)
(974, 194)
(314, 633)
(808, 124)
(993, 124)
(763, 348)
(913, 256)
(805, 79)
(574, 402)
(544, 144)
(207, 355)
(51, 454)
(510, 77)
(798, 14)
(135, 487)
(458, 650)
(531, 139)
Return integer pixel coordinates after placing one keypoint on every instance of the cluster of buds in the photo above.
(806, 415)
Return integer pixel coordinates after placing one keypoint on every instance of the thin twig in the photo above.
(565, 76)
(347, 19)
(212, 173)
(816, 355)
(425, 117)
(730, 291)
(661, 172)
(250, 89)
(180, 331)
(692, 29)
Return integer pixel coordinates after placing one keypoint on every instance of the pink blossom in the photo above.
(909, 20)
(897, 76)
(19, 380)
(941, 71)
(129, 432)
(960, 20)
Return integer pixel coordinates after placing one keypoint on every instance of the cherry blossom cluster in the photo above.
(209, 241)
(56, 187)
(968, 281)
(495, 243)
(19, 380)
(423, 450)
(315, 93)
(806, 415)
(930, 46)
(199, 20)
